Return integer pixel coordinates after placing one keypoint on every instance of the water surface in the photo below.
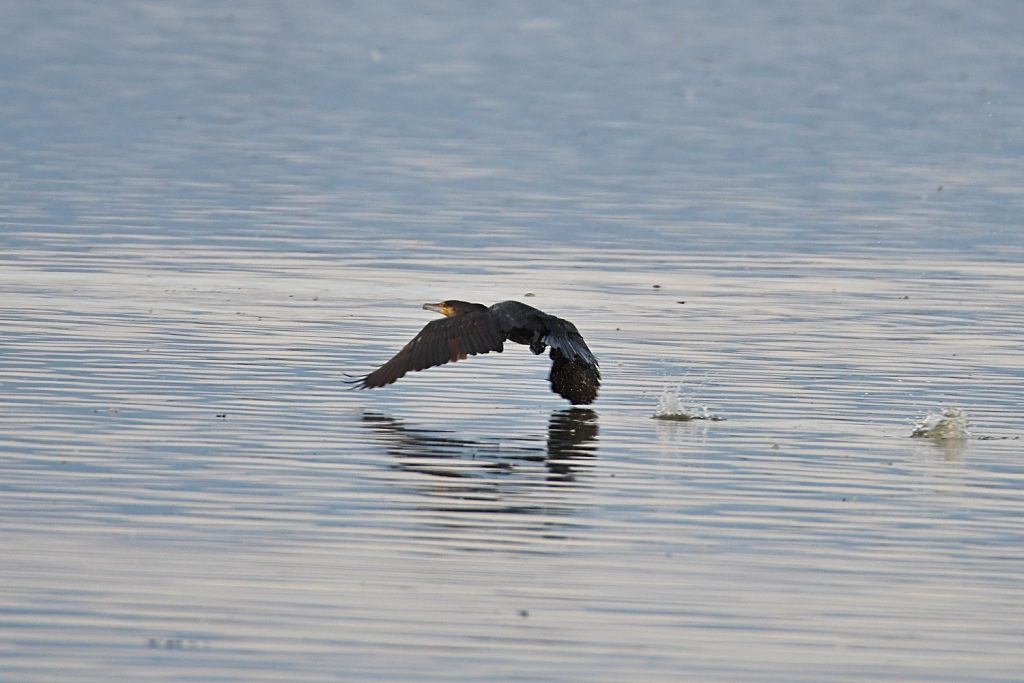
(804, 218)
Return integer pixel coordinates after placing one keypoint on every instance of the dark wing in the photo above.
(573, 378)
(574, 371)
(440, 341)
(563, 335)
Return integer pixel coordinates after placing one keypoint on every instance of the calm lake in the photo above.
(800, 219)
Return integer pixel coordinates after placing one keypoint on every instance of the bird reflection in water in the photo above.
(572, 433)
(489, 472)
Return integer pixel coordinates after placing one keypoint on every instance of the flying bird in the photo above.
(469, 329)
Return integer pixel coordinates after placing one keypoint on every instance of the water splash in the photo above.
(671, 407)
(948, 425)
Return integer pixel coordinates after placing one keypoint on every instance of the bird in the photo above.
(468, 329)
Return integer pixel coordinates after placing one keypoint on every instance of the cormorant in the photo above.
(468, 329)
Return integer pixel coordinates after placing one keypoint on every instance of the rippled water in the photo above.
(803, 220)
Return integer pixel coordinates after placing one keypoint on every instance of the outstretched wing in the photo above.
(573, 378)
(574, 368)
(563, 335)
(440, 341)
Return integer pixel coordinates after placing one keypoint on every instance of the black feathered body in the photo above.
(574, 369)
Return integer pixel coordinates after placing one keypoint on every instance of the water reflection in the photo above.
(945, 453)
(491, 471)
(572, 436)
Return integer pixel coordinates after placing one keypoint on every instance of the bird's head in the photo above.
(453, 307)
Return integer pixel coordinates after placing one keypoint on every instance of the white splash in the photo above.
(949, 425)
(671, 407)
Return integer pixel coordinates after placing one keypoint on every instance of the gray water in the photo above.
(801, 217)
